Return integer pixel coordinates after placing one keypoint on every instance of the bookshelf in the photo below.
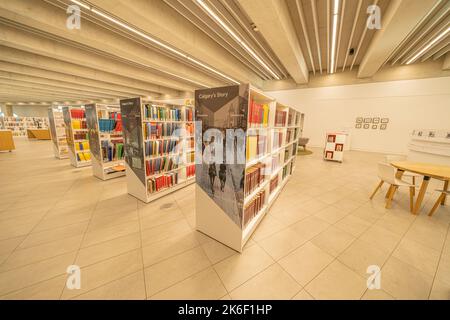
(19, 125)
(334, 146)
(159, 147)
(231, 204)
(77, 136)
(104, 124)
(58, 133)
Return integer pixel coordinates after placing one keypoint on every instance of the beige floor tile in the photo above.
(271, 284)
(432, 236)
(109, 233)
(353, 225)
(361, 254)
(303, 295)
(381, 238)
(28, 275)
(368, 214)
(226, 297)
(38, 238)
(13, 231)
(347, 205)
(331, 214)
(376, 294)
(313, 206)
(162, 232)
(281, 243)
(238, 268)
(394, 223)
(419, 256)
(268, 226)
(403, 281)
(41, 252)
(337, 282)
(215, 251)
(167, 248)
(203, 285)
(333, 240)
(440, 291)
(102, 273)
(158, 218)
(166, 273)
(99, 222)
(108, 249)
(7, 246)
(130, 287)
(63, 220)
(46, 290)
(310, 227)
(443, 273)
(306, 262)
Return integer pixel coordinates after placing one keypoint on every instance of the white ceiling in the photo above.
(168, 48)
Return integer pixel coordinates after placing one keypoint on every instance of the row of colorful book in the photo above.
(258, 114)
(77, 114)
(160, 165)
(189, 115)
(83, 156)
(160, 113)
(254, 207)
(277, 139)
(273, 184)
(161, 147)
(112, 151)
(190, 171)
(79, 124)
(82, 145)
(254, 176)
(256, 146)
(280, 118)
(154, 130)
(81, 136)
(156, 184)
(108, 125)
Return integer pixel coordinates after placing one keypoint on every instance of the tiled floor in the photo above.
(316, 242)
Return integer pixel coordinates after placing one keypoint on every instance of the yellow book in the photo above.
(77, 146)
(266, 114)
(252, 144)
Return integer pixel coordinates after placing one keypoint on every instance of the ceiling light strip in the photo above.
(334, 35)
(236, 37)
(429, 45)
(155, 41)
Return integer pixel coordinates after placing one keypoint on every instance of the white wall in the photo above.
(31, 111)
(408, 104)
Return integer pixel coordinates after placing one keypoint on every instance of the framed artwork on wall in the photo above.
(376, 120)
(367, 120)
(366, 126)
(383, 126)
(359, 120)
(384, 120)
(374, 126)
(358, 126)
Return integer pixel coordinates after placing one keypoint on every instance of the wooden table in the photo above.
(428, 170)
(39, 134)
(6, 140)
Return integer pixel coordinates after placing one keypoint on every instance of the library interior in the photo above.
(225, 149)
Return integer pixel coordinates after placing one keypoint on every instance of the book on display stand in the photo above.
(58, 132)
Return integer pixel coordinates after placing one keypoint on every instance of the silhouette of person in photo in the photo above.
(212, 172)
(222, 176)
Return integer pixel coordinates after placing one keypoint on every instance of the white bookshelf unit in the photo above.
(104, 124)
(159, 147)
(230, 208)
(334, 146)
(77, 136)
(58, 133)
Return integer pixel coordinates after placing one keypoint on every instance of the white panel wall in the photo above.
(31, 111)
(409, 104)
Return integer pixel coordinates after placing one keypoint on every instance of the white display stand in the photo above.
(334, 146)
(58, 133)
(105, 166)
(134, 123)
(428, 145)
(76, 136)
(233, 227)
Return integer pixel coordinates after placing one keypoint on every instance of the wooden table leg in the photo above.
(421, 195)
(444, 196)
